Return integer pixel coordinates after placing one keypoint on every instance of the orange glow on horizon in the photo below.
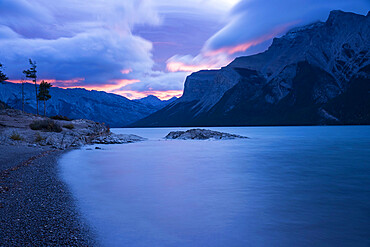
(114, 88)
(109, 87)
(163, 95)
(114, 85)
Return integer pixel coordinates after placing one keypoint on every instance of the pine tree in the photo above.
(44, 93)
(31, 74)
(3, 77)
(22, 94)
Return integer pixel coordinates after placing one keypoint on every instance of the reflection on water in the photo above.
(286, 186)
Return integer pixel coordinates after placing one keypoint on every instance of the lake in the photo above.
(285, 186)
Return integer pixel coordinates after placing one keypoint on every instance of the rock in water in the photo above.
(202, 134)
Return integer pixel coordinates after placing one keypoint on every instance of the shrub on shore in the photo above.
(3, 105)
(69, 126)
(60, 117)
(46, 125)
(39, 137)
(16, 136)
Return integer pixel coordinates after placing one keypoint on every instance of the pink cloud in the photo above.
(201, 62)
(110, 87)
(230, 50)
(126, 71)
(215, 59)
(180, 66)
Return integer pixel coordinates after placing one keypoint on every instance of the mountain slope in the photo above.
(295, 82)
(112, 109)
(153, 101)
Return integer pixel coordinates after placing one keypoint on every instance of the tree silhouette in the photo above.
(44, 93)
(3, 77)
(31, 74)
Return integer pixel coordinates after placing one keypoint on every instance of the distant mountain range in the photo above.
(112, 109)
(316, 74)
(154, 102)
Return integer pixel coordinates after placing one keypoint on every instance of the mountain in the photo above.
(153, 101)
(315, 74)
(112, 109)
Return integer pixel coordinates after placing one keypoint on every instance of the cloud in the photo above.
(98, 57)
(252, 26)
(159, 81)
(24, 16)
(237, 48)
(202, 61)
(7, 33)
(70, 40)
(65, 18)
(94, 46)
(252, 19)
(216, 58)
(221, 7)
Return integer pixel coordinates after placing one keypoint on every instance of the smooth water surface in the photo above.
(285, 186)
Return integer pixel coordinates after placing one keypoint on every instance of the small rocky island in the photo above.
(202, 134)
(18, 128)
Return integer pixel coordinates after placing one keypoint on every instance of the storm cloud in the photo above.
(71, 40)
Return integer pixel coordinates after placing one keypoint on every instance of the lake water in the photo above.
(285, 186)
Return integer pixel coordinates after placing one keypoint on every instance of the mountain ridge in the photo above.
(335, 51)
(154, 101)
(78, 103)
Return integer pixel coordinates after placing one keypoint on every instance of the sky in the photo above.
(140, 47)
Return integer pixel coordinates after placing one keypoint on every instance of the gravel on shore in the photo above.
(36, 207)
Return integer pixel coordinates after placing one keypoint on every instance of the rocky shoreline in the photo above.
(36, 206)
(17, 128)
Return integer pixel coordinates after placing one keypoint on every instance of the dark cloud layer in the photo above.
(251, 19)
(71, 40)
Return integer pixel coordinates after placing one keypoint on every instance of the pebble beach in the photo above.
(36, 207)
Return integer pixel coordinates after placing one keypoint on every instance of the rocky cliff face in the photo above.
(112, 109)
(295, 81)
